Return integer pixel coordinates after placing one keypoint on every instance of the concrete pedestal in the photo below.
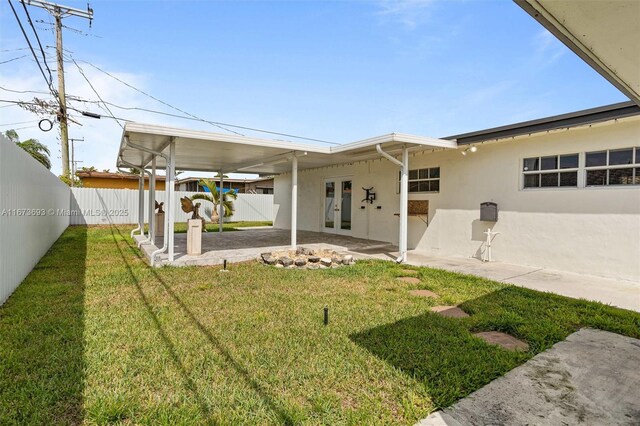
(194, 237)
(159, 225)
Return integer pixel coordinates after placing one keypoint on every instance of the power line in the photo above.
(95, 91)
(24, 33)
(14, 59)
(189, 116)
(213, 123)
(44, 56)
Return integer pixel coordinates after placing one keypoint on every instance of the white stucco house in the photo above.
(567, 191)
(560, 192)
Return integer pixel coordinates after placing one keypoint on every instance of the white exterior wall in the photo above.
(584, 230)
(100, 206)
(25, 238)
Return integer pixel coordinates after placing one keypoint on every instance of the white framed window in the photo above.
(552, 171)
(612, 167)
(423, 180)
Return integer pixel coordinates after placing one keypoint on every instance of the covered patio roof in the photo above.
(603, 33)
(207, 151)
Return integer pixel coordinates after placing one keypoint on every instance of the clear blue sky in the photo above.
(339, 71)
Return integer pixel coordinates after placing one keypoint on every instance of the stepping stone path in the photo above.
(503, 340)
(449, 311)
(409, 271)
(423, 293)
(409, 280)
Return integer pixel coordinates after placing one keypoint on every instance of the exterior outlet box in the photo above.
(488, 212)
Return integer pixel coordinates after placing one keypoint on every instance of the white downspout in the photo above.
(404, 196)
(294, 201)
(169, 207)
(139, 228)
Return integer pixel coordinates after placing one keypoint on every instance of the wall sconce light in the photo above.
(469, 149)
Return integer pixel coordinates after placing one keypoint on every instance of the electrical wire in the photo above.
(190, 116)
(24, 33)
(44, 56)
(14, 59)
(96, 92)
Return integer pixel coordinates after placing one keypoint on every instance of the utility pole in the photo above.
(59, 12)
(73, 160)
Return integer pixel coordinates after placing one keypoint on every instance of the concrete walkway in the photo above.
(620, 293)
(592, 378)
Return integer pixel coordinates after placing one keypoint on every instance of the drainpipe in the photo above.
(221, 202)
(404, 196)
(140, 188)
(169, 207)
(141, 202)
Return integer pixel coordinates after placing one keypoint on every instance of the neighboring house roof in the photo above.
(562, 121)
(233, 180)
(110, 175)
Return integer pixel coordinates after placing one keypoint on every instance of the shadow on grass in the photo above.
(443, 354)
(41, 339)
(236, 365)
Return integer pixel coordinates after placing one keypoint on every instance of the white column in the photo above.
(221, 202)
(141, 201)
(294, 201)
(152, 202)
(169, 190)
(404, 208)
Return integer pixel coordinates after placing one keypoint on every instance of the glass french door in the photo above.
(337, 205)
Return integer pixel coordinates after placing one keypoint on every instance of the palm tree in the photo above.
(213, 196)
(37, 150)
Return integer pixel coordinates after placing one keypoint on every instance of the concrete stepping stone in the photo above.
(409, 280)
(423, 293)
(449, 311)
(409, 271)
(504, 340)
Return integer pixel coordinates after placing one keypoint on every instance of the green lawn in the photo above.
(94, 335)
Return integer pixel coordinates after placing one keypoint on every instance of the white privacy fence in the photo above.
(32, 206)
(95, 206)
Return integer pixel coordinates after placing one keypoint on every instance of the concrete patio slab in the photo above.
(592, 378)
(248, 244)
(620, 293)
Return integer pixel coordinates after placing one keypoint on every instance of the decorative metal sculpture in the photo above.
(189, 207)
(370, 196)
(159, 206)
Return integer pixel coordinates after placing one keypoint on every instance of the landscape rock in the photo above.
(313, 266)
(314, 259)
(286, 261)
(300, 262)
(325, 261)
(347, 260)
(279, 265)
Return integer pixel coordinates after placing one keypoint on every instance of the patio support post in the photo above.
(294, 201)
(152, 202)
(404, 197)
(221, 202)
(404, 205)
(170, 192)
(141, 202)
